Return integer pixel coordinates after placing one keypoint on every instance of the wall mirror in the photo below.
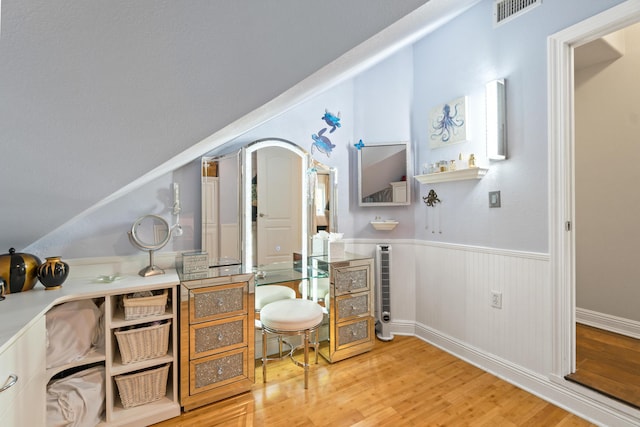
(221, 209)
(264, 202)
(382, 174)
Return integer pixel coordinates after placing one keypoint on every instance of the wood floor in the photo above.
(608, 363)
(404, 382)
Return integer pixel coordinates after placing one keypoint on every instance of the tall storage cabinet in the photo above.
(351, 311)
(216, 337)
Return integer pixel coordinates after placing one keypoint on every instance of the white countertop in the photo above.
(20, 310)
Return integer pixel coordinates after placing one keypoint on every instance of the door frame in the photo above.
(561, 137)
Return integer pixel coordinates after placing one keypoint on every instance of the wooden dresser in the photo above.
(216, 335)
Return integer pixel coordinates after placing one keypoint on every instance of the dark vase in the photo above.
(53, 272)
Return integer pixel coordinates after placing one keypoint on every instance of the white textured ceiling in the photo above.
(95, 94)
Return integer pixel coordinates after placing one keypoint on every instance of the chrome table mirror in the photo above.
(150, 233)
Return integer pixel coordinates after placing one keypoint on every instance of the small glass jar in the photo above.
(443, 166)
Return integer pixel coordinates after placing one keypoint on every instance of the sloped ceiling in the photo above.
(95, 94)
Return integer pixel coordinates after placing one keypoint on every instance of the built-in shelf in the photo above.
(457, 175)
(384, 225)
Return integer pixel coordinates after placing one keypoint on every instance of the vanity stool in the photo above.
(266, 294)
(291, 317)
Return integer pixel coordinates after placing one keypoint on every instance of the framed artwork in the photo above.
(448, 123)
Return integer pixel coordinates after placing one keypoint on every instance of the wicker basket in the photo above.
(142, 387)
(136, 308)
(143, 343)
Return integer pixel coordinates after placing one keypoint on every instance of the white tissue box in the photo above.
(319, 246)
(336, 250)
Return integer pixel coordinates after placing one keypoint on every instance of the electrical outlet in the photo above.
(496, 299)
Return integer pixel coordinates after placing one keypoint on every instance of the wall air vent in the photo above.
(506, 10)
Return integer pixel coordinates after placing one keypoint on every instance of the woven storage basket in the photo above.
(143, 343)
(142, 387)
(135, 308)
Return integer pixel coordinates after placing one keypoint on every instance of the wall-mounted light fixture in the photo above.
(496, 120)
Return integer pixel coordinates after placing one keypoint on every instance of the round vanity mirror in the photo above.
(150, 233)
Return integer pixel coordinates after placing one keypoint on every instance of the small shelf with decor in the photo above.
(457, 175)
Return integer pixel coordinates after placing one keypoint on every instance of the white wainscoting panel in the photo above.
(453, 297)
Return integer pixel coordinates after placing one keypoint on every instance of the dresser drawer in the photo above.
(351, 279)
(215, 371)
(217, 302)
(354, 332)
(216, 336)
(23, 362)
(350, 306)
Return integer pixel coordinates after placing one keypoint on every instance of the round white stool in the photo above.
(291, 317)
(266, 294)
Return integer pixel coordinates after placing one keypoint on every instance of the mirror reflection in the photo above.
(382, 173)
(221, 229)
(278, 177)
(263, 203)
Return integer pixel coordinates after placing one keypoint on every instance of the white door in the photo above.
(279, 219)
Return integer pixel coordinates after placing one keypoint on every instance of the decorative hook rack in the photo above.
(431, 199)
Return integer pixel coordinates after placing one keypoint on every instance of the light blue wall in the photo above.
(458, 60)
(390, 102)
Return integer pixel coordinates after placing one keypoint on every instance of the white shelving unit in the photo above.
(109, 356)
(457, 175)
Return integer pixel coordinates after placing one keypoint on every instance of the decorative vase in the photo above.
(19, 271)
(53, 272)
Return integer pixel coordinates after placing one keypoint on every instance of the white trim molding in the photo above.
(608, 322)
(587, 404)
(561, 159)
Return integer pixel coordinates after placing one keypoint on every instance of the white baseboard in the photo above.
(581, 401)
(619, 325)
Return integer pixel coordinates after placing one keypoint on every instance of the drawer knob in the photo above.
(220, 370)
(220, 302)
(9, 383)
(220, 337)
(353, 307)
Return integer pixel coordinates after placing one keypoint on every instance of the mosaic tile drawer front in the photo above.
(214, 371)
(217, 302)
(216, 336)
(353, 332)
(351, 280)
(352, 306)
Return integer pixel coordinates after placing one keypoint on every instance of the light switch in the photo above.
(494, 199)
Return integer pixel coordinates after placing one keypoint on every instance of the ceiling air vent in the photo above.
(506, 10)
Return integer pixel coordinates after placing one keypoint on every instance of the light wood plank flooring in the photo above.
(608, 363)
(404, 382)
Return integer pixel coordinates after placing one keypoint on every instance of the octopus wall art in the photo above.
(448, 123)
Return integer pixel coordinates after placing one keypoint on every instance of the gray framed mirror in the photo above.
(234, 187)
(383, 171)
